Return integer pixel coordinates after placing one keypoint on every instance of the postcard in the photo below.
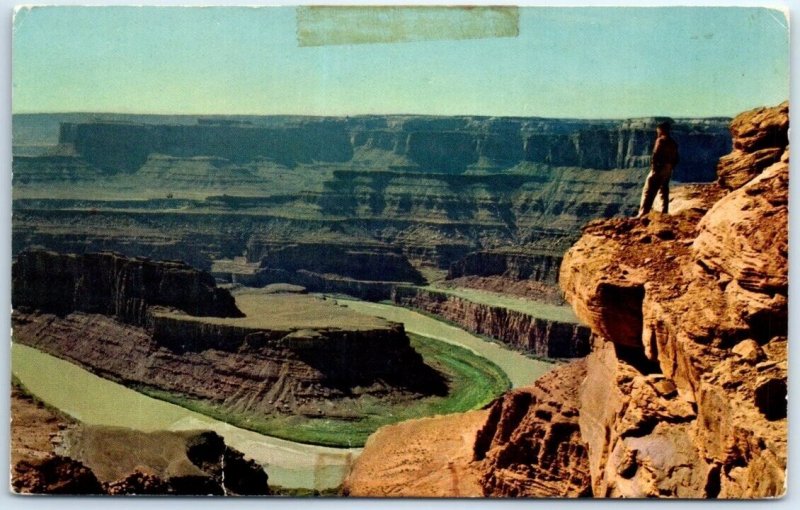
(400, 251)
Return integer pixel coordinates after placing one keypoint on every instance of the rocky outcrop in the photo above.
(246, 370)
(519, 330)
(366, 262)
(216, 469)
(530, 445)
(518, 266)
(759, 139)
(685, 394)
(55, 475)
(162, 462)
(527, 444)
(423, 458)
(52, 453)
(111, 284)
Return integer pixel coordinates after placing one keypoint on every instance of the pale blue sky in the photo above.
(568, 62)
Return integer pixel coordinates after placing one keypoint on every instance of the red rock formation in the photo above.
(519, 330)
(54, 475)
(759, 139)
(686, 385)
(530, 445)
(684, 393)
(426, 457)
(242, 370)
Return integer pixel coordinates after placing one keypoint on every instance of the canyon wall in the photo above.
(684, 392)
(165, 326)
(517, 266)
(326, 283)
(125, 147)
(359, 262)
(518, 330)
(243, 371)
(530, 444)
(434, 188)
(110, 284)
(448, 145)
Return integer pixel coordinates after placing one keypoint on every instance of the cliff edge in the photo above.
(685, 392)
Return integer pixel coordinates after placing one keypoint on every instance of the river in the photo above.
(520, 369)
(97, 401)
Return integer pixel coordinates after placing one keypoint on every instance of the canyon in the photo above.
(345, 205)
(428, 190)
(683, 394)
(52, 453)
(515, 229)
(164, 327)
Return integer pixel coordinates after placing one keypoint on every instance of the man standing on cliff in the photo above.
(665, 157)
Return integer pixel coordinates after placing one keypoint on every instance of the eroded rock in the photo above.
(687, 398)
(530, 445)
(519, 330)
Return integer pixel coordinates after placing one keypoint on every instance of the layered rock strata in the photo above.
(328, 283)
(517, 266)
(436, 189)
(314, 364)
(111, 284)
(519, 330)
(370, 263)
(530, 445)
(448, 145)
(685, 394)
(246, 370)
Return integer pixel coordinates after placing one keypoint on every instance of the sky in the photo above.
(565, 62)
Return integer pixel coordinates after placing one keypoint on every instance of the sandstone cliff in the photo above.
(150, 325)
(519, 330)
(111, 284)
(518, 266)
(685, 394)
(530, 444)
